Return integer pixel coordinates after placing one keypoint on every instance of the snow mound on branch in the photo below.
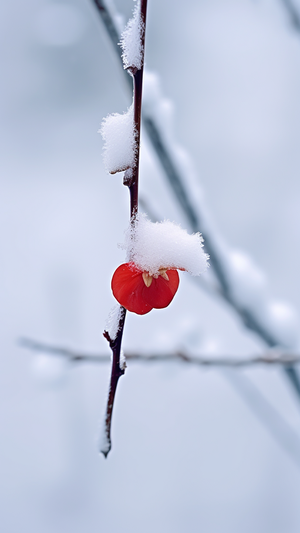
(152, 246)
(131, 40)
(112, 325)
(120, 148)
(122, 360)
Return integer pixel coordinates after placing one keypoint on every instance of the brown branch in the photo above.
(271, 358)
(131, 180)
(116, 373)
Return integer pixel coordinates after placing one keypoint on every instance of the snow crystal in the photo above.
(152, 246)
(122, 360)
(119, 136)
(104, 440)
(131, 40)
(112, 325)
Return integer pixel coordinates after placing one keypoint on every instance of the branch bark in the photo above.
(131, 180)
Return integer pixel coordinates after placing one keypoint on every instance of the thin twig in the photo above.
(272, 358)
(131, 179)
(177, 183)
(116, 373)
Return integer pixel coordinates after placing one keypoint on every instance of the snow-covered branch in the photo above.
(121, 134)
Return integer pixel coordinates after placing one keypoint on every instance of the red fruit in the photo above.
(139, 292)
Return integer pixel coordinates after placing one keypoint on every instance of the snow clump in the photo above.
(131, 40)
(112, 325)
(119, 135)
(152, 246)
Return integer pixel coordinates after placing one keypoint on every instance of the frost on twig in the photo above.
(113, 321)
(122, 361)
(120, 141)
(131, 40)
(152, 246)
(105, 440)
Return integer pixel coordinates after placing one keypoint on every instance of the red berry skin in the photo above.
(161, 292)
(131, 292)
(127, 285)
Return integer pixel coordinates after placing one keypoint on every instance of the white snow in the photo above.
(131, 40)
(122, 360)
(112, 325)
(152, 246)
(120, 148)
(104, 440)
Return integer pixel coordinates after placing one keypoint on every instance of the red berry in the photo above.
(132, 292)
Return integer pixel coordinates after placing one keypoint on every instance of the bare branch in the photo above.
(131, 180)
(271, 358)
(116, 373)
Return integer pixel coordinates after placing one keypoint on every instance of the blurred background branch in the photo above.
(293, 13)
(269, 358)
(213, 243)
(274, 422)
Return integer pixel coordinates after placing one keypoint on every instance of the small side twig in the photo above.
(271, 358)
(116, 373)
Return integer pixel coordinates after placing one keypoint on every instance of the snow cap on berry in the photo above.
(153, 246)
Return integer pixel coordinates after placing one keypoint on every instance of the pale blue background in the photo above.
(188, 455)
